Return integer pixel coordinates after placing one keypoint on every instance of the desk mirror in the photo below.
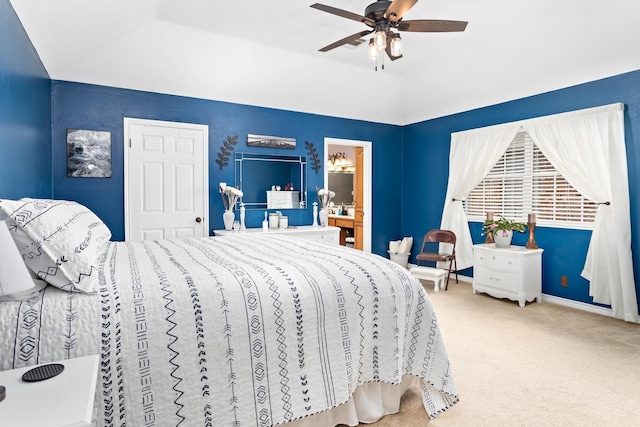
(259, 176)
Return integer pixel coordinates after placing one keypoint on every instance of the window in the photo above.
(523, 181)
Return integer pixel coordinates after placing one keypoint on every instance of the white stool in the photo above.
(436, 275)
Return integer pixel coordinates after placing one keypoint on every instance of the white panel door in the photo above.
(166, 180)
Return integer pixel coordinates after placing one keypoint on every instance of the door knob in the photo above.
(198, 220)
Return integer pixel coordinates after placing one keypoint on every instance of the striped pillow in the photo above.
(59, 240)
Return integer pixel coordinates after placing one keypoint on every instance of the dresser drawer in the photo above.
(331, 238)
(346, 223)
(327, 236)
(498, 261)
(502, 280)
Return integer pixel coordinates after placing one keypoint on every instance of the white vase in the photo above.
(503, 238)
(315, 214)
(228, 218)
(242, 215)
(324, 217)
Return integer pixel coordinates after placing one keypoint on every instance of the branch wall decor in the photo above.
(316, 164)
(225, 150)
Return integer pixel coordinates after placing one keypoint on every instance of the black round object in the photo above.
(43, 372)
(3, 393)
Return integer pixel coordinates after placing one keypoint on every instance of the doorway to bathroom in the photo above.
(348, 174)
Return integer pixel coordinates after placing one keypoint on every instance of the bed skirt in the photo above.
(369, 403)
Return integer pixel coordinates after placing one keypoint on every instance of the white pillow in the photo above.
(405, 245)
(394, 245)
(59, 240)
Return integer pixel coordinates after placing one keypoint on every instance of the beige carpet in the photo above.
(542, 365)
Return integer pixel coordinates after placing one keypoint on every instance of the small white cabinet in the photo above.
(514, 272)
(283, 199)
(64, 400)
(309, 232)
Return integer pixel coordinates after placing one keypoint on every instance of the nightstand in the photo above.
(65, 400)
(514, 272)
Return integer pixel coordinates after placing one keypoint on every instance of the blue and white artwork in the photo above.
(88, 153)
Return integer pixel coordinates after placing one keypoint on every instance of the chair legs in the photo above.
(455, 262)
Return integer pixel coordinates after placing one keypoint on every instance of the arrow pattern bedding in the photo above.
(253, 330)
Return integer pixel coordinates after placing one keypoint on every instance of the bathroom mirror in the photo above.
(259, 175)
(342, 184)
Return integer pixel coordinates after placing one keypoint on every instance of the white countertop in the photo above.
(340, 216)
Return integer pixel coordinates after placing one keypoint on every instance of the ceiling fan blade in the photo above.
(432, 26)
(343, 13)
(346, 40)
(398, 8)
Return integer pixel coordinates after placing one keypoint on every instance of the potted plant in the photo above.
(502, 230)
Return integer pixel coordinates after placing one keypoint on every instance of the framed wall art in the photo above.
(270, 141)
(88, 153)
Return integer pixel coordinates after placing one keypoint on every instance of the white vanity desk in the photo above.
(320, 234)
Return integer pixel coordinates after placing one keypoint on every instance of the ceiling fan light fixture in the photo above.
(380, 40)
(373, 50)
(382, 17)
(396, 45)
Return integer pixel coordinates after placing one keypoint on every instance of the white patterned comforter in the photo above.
(255, 330)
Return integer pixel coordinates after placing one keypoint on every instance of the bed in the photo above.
(253, 330)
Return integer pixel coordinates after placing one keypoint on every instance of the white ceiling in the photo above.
(265, 53)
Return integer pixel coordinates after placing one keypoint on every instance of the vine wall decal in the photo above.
(225, 150)
(316, 164)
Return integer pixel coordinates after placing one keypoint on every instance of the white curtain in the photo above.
(473, 154)
(587, 147)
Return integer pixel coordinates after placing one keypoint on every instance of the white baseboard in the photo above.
(563, 301)
(578, 305)
(463, 278)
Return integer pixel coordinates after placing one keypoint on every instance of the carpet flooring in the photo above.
(541, 365)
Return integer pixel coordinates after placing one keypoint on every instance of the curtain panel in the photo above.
(587, 147)
(473, 154)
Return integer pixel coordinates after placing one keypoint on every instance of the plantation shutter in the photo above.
(523, 181)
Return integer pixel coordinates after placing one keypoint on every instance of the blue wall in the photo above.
(25, 113)
(426, 168)
(35, 113)
(81, 106)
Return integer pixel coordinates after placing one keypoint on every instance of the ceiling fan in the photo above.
(383, 17)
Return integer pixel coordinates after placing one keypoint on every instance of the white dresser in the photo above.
(321, 234)
(514, 272)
